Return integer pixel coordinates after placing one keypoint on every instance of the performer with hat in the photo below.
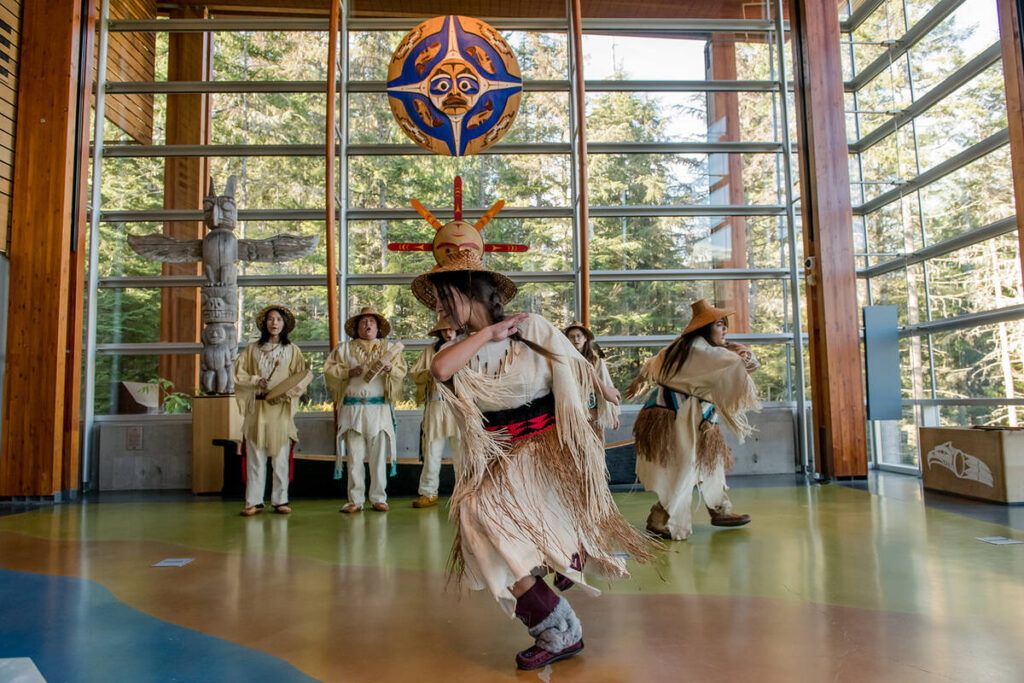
(364, 376)
(531, 495)
(438, 423)
(270, 376)
(603, 414)
(700, 379)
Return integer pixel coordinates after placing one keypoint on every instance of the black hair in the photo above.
(679, 350)
(440, 340)
(477, 286)
(265, 335)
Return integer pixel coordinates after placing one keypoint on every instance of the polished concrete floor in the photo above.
(875, 582)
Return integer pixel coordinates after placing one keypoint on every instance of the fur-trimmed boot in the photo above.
(657, 521)
(552, 622)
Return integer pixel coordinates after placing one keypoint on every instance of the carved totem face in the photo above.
(220, 211)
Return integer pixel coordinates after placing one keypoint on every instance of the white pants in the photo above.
(430, 475)
(679, 506)
(357, 446)
(256, 475)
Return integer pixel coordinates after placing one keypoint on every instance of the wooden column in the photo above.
(1010, 30)
(582, 199)
(840, 444)
(39, 456)
(184, 186)
(724, 120)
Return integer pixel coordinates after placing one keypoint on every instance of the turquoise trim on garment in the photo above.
(366, 401)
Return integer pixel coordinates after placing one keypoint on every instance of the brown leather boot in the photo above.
(719, 518)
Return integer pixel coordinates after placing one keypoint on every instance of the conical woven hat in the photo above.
(465, 261)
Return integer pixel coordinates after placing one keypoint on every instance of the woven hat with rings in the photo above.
(464, 262)
(704, 314)
(289, 318)
(383, 326)
(577, 325)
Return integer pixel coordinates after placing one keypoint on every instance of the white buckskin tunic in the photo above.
(541, 502)
(367, 419)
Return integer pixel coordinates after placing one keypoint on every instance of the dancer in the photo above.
(700, 378)
(270, 376)
(603, 414)
(364, 376)
(531, 496)
(438, 422)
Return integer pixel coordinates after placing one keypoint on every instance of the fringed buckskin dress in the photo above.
(532, 495)
(679, 444)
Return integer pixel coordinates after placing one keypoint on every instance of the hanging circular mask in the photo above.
(454, 85)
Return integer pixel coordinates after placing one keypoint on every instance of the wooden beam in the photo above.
(724, 119)
(840, 443)
(332, 96)
(582, 208)
(76, 287)
(42, 262)
(1010, 31)
(184, 178)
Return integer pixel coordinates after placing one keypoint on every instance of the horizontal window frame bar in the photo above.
(924, 25)
(718, 210)
(353, 214)
(320, 214)
(113, 151)
(859, 15)
(366, 279)
(685, 274)
(323, 346)
(711, 85)
(252, 87)
(963, 401)
(960, 322)
(623, 26)
(947, 246)
(954, 81)
(168, 281)
(936, 172)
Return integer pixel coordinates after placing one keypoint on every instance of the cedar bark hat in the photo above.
(463, 262)
(705, 314)
(289, 318)
(383, 326)
(577, 325)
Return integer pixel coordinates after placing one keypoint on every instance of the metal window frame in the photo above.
(947, 246)
(538, 148)
(960, 322)
(923, 27)
(959, 78)
(936, 172)
(859, 15)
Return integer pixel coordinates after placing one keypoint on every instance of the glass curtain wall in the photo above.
(934, 216)
(687, 187)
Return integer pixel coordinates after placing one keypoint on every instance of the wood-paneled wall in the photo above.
(132, 57)
(10, 48)
(38, 458)
(837, 394)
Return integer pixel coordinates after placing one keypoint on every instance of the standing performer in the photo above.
(364, 376)
(700, 378)
(270, 376)
(603, 414)
(531, 496)
(438, 421)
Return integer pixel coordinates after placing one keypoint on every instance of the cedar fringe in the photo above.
(501, 498)
(712, 449)
(654, 435)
